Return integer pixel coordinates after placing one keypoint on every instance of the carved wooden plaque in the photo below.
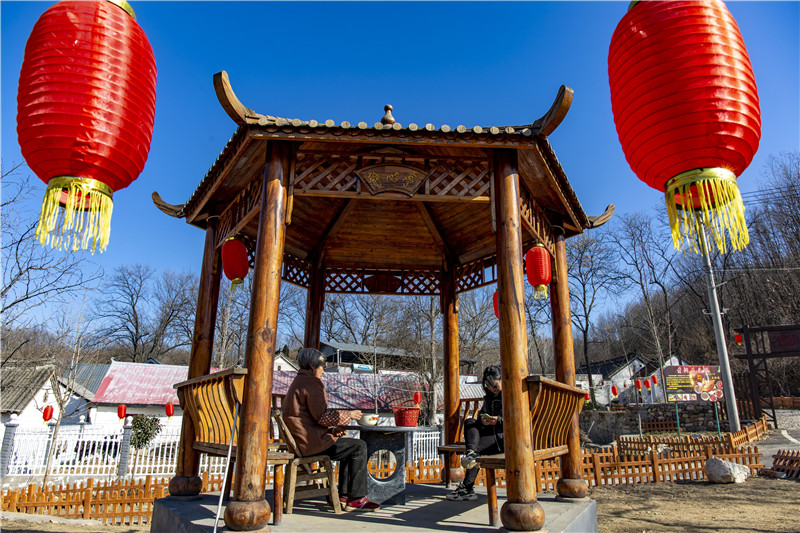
(392, 178)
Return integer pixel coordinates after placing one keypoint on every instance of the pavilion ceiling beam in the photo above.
(334, 226)
(433, 228)
(393, 196)
(543, 163)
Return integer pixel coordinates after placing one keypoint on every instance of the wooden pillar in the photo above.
(314, 304)
(521, 511)
(187, 481)
(249, 509)
(571, 484)
(453, 471)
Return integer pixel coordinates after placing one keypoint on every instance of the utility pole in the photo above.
(722, 349)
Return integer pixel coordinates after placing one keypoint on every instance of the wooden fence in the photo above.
(786, 402)
(636, 444)
(127, 502)
(787, 462)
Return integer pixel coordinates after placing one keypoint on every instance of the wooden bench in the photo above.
(468, 408)
(210, 401)
(552, 406)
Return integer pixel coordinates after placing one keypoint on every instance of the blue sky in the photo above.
(474, 63)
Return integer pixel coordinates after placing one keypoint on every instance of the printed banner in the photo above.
(693, 383)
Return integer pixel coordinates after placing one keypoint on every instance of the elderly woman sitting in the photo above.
(318, 430)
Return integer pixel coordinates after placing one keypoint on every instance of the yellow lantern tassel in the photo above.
(540, 291)
(74, 211)
(706, 197)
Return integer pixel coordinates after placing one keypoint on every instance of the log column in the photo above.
(453, 471)
(249, 510)
(521, 511)
(187, 481)
(314, 304)
(571, 485)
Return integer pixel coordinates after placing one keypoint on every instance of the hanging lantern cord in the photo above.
(75, 210)
(706, 197)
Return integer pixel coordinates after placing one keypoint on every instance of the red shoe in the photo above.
(361, 504)
(343, 501)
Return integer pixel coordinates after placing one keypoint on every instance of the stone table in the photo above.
(392, 490)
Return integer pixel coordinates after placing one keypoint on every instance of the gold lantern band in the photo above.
(706, 197)
(74, 211)
(125, 6)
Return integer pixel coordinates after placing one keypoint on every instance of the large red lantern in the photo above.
(537, 268)
(235, 263)
(687, 113)
(47, 414)
(496, 304)
(85, 112)
(121, 411)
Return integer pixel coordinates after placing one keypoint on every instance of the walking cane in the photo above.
(227, 467)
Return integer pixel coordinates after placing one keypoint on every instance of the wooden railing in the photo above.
(786, 402)
(788, 462)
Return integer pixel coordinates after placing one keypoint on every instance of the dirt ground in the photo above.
(757, 505)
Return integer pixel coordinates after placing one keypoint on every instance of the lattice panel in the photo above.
(535, 217)
(321, 172)
(336, 173)
(296, 270)
(467, 179)
(476, 274)
(351, 281)
(246, 201)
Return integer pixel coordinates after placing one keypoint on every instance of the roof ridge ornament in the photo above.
(550, 121)
(388, 118)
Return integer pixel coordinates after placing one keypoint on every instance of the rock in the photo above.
(721, 471)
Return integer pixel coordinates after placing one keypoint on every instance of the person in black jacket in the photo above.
(484, 435)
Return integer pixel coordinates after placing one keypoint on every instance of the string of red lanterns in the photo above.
(686, 109)
(85, 113)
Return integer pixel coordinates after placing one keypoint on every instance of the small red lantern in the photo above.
(496, 305)
(235, 263)
(687, 112)
(170, 410)
(121, 411)
(587, 397)
(537, 267)
(655, 380)
(739, 339)
(647, 384)
(417, 398)
(614, 390)
(639, 384)
(47, 414)
(85, 112)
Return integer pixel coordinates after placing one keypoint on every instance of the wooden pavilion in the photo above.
(384, 209)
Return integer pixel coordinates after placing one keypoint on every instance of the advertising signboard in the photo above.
(691, 383)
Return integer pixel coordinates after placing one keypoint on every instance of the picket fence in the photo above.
(786, 402)
(635, 444)
(86, 451)
(788, 462)
(130, 502)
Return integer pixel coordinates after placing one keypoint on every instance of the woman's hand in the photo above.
(355, 415)
(489, 420)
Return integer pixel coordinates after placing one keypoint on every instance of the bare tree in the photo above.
(591, 263)
(33, 275)
(144, 318)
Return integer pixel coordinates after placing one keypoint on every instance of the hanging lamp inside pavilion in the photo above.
(85, 113)
(235, 262)
(687, 112)
(537, 268)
